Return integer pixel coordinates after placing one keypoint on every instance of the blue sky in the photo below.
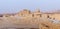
(13, 6)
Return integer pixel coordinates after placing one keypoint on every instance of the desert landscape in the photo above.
(25, 19)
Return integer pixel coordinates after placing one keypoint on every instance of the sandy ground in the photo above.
(18, 22)
(27, 23)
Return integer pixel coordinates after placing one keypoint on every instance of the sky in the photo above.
(14, 6)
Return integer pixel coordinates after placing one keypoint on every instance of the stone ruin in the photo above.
(26, 19)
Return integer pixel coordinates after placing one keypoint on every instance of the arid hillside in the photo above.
(26, 19)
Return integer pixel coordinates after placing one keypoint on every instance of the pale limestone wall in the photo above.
(56, 16)
(25, 13)
(44, 15)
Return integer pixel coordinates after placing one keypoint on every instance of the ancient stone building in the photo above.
(51, 15)
(24, 12)
(38, 13)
